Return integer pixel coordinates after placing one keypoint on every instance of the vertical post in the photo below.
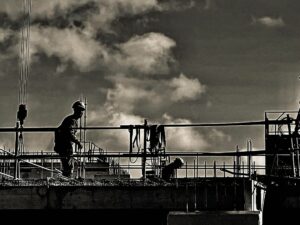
(195, 197)
(51, 167)
(205, 169)
(16, 152)
(194, 169)
(119, 166)
(297, 156)
(224, 168)
(128, 165)
(19, 169)
(266, 171)
(130, 138)
(267, 125)
(249, 157)
(215, 169)
(197, 166)
(243, 168)
(186, 168)
(237, 161)
(42, 163)
(234, 169)
(187, 198)
(84, 137)
(292, 144)
(145, 151)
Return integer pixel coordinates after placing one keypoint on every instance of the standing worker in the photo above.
(65, 136)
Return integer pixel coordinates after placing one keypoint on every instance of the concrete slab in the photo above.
(215, 218)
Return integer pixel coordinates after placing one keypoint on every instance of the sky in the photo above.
(181, 61)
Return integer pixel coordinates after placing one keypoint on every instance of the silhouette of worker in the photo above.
(169, 170)
(65, 137)
(297, 124)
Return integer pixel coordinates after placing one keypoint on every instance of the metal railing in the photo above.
(94, 155)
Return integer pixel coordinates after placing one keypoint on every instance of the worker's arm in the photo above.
(71, 129)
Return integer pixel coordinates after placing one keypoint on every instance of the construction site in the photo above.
(196, 192)
(147, 180)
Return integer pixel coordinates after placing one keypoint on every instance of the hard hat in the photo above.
(78, 105)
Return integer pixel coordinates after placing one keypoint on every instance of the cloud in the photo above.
(99, 16)
(96, 15)
(178, 139)
(209, 4)
(68, 45)
(110, 116)
(218, 135)
(148, 54)
(126, 97)
(5, 34)
(107, 11)
(11, 8)
(184, 139)
(49, 9)
(185, 88)
(268, 22)
(131, 93)
(176, 5)
(40, 9)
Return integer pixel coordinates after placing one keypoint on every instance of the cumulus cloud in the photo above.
(40, 9)
(268, 22)
(148, 54)
(178, 139)
(131, 93)
(94, 14)
(138, 58)
(109, 115)
(5, 34)
(11, 8)
(107, 11)
(126, 97)
(100, 16)
(218, 135)
(176, 5)
(184, 139)
(185, 88)
(48, 9)
(68, 45)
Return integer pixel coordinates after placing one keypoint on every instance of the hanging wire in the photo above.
(138, 145)
(24, 59)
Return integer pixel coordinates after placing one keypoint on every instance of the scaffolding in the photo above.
(157, 159)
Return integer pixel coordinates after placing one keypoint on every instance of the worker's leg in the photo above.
(67, 164)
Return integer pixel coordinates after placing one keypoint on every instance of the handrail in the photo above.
(52, 129)
(30, 163)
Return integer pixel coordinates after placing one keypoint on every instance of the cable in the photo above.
(24, 60)
(217, 124)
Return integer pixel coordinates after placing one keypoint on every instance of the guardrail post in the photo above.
(215, 169)
(16, 152)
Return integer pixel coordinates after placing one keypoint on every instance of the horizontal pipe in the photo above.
(127, 155)
(217, 124)
(52, 129)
